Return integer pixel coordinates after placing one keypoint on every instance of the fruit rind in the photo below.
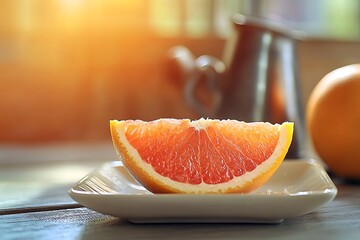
(156, 183)
(333, 117)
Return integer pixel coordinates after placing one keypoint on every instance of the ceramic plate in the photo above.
(297, 188)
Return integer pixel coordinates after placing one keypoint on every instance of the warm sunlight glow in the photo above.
(66, 56)
(63, 61)
(71, 4)
(166, 17)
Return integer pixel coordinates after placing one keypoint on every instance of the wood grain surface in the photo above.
(34, 204)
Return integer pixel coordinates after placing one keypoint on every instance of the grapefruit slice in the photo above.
(202, 156)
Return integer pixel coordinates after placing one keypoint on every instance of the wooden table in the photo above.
(34, 204)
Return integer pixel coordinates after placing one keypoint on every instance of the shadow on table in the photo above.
(122, 229)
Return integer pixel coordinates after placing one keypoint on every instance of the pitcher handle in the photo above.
(193, 72)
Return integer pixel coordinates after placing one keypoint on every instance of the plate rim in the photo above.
(89, 199)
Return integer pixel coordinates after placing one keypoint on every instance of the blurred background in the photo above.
(69, 66)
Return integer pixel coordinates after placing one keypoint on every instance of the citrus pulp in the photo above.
(202, 156)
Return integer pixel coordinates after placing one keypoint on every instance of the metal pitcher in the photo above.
(257, 79)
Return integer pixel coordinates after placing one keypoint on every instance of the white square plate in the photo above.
(298, 187)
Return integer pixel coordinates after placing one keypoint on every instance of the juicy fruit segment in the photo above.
(203, 156)
(176, 150)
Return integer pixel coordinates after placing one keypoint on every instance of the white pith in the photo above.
(203, 187)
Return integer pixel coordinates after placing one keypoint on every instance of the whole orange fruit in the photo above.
(333, 120)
